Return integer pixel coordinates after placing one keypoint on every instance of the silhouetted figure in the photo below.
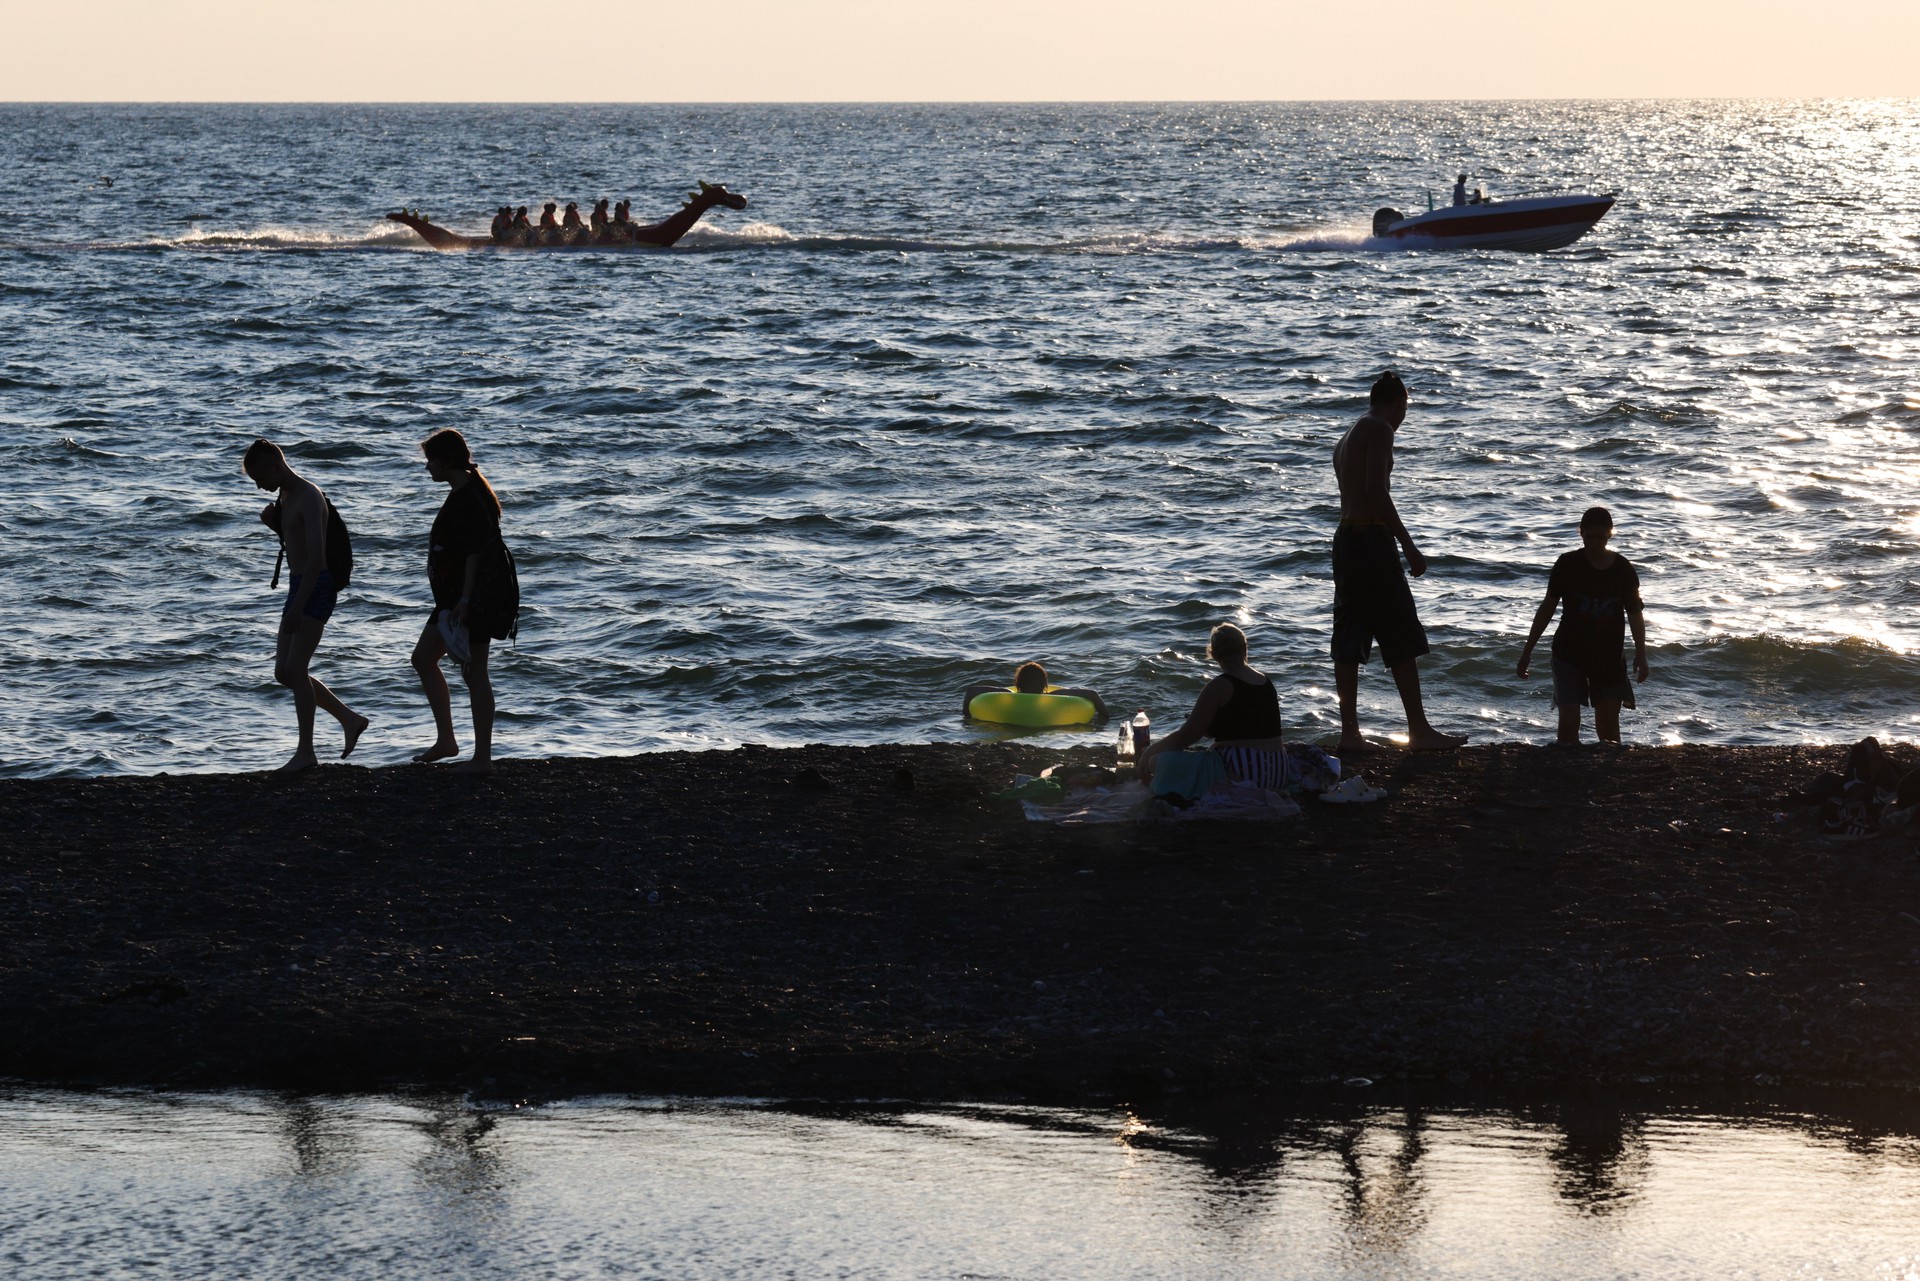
(1460, 191)
(502, 228)
(1371, 599)
(598, 219)
(465, 534)
(1239, 710)
(301, 517)
(1601, 594)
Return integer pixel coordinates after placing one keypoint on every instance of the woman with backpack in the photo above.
(475, 597)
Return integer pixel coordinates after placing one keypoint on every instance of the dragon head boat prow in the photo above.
(716, 193)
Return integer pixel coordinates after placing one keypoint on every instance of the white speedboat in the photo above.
(1541, 222)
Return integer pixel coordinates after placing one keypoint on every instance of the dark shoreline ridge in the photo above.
(722, 923)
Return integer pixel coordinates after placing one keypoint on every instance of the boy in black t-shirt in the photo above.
(1602, 597)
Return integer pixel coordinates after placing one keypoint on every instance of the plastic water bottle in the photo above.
(1123, 747)
(1142, 734)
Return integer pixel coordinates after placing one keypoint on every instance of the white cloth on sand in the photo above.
(1131, 802)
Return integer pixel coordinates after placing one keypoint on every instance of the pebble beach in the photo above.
(862, 922)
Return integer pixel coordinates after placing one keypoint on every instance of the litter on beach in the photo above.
(1133, 802)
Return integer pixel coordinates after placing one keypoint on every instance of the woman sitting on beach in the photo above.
(465, 532)
(1239, 710)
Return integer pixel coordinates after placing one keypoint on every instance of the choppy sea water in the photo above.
(122, 1185)
(963, 386)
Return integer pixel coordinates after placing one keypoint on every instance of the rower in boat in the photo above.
(570, 221)
(622, 227)
(598, 219)
(549, 224)
(502, 229)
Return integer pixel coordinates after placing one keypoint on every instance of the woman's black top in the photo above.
(1252, 712)
(465, 526)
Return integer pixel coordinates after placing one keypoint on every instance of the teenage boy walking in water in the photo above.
(300, 518)
(1602, 596)
(1371, 599)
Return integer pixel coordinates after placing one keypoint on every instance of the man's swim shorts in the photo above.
(325, 596)
(1371, 599)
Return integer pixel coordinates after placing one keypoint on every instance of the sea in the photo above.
(962, 386)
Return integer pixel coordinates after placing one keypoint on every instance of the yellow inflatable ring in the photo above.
(1005, 707)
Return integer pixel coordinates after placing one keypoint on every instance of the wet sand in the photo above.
(730, 923)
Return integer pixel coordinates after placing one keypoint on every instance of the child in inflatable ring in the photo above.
(1030, 678)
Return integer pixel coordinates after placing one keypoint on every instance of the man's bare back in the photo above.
(1363, 464)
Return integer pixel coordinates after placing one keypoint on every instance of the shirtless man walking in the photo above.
(300, 518)
(1371, 599)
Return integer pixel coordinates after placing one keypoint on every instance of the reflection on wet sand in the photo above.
(1385, 1194)
(1600, 1160)
(375, 1187)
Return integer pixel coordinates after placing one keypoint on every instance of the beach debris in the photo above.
(812, 780)
(1027, 788)
(1353, 791)
(1357, 1082)
(1080, 775)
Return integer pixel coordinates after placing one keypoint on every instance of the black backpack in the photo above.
(339, 547)
(495, 610)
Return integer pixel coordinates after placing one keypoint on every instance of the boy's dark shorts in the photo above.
(321, 600)
(1574, 688)
(1371, 599)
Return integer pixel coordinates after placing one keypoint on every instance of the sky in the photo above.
(990, 50)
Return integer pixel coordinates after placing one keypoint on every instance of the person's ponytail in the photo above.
(493, 499)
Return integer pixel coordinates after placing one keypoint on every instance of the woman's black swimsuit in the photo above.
(1252, 712)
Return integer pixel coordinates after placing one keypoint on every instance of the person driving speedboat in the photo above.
(1460, 191)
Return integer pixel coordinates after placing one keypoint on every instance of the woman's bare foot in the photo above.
(355, 728)
(301, 761)
(1432, 740)
(471, 767)
(438, 752)
(1354, 746)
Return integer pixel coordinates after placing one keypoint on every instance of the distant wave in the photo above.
(714, 238)
(765, 235)
(375, 235)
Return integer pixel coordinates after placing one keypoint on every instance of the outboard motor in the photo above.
(1384, 218)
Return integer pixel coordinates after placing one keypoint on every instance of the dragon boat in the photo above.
(656, 235)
